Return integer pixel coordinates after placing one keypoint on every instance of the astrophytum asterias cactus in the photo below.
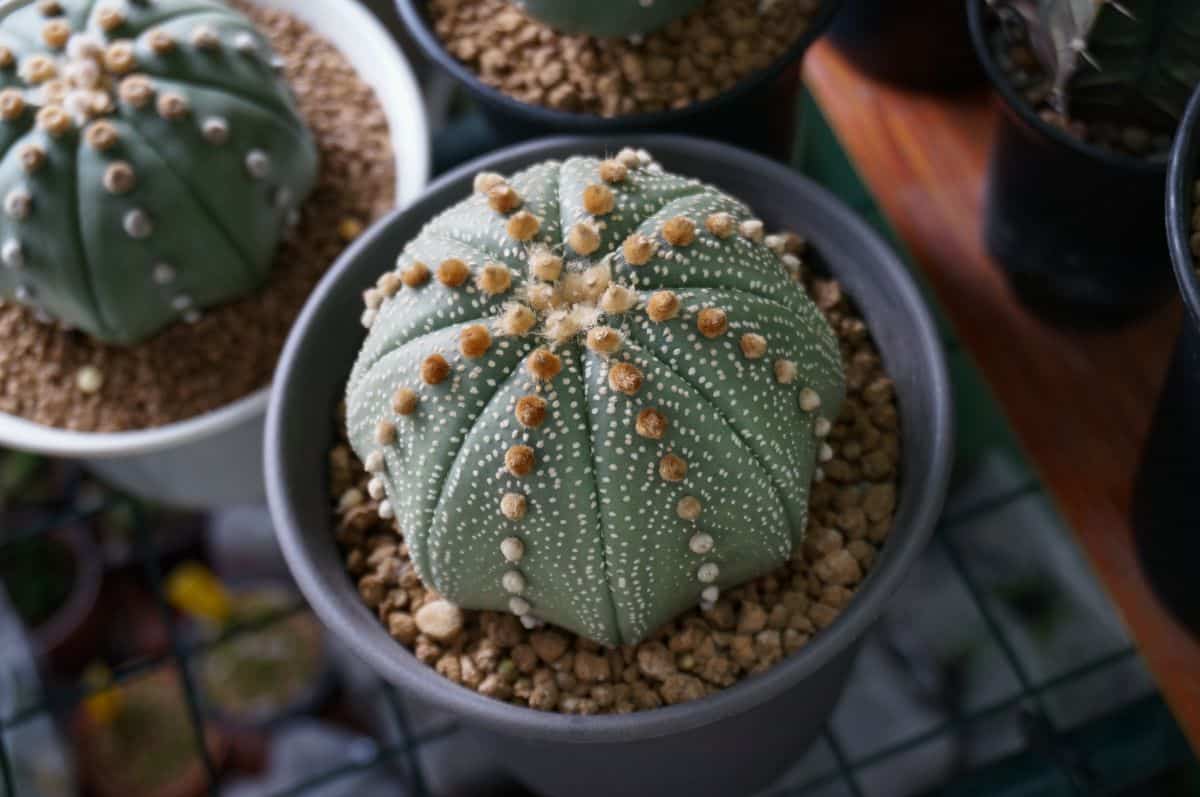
(1126, 60)
(152, 156)
(608, 18)
(591, 395)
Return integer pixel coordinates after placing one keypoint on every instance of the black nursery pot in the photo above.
(915, 44)
(734, 742)
(1077, 229)
(1166, 509)
(757, 114)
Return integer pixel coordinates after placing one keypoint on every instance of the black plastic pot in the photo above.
(758, 113)
(1077, 229)
(1166, 510)
(730, 743)
(915, 44)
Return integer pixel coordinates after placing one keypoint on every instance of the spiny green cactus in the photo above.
(593, 396)
(150, 159)
(1133, 60)
(609, 18)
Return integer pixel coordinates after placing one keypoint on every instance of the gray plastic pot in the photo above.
(734, 742)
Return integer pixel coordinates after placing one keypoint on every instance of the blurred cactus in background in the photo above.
(1133, 61)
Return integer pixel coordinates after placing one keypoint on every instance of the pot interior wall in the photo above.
(770, 103)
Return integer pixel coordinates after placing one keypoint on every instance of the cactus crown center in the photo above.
(570, 306)
(81, 75)
(87, 86)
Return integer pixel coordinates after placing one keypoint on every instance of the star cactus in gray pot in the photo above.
(592, 395)
(152, 156)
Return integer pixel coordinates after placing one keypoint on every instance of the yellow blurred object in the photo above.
(349, 229)
(104, 705)
(194, 590)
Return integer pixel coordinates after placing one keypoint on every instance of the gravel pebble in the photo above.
(549, 645)
(655, 661)
(679, 688)
(440, 619)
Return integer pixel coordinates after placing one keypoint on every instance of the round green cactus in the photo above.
(150, 159)
(613, 18)
(593, 396)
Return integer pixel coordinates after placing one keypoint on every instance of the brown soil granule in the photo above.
(692, 59)
(749, 629)
(66, 379)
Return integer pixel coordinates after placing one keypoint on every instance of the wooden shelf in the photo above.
(1079, 402)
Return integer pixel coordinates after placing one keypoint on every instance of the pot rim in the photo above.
(89, 572)
(403, 104)
(570, 122)
(1015, 104)
(1181, 175)
(922, 495)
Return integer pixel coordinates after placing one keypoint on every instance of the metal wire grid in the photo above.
(1041, 732)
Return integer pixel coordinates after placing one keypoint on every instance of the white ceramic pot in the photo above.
(215, 459)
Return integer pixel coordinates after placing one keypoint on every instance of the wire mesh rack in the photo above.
(1070, 760)
(1000, 668)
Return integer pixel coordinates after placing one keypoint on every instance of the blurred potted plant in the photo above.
(138, 740)
(1092, 93)
(53, 581)
(273, 668)
(149, 356)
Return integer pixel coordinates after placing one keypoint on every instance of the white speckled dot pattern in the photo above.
(605, 552)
